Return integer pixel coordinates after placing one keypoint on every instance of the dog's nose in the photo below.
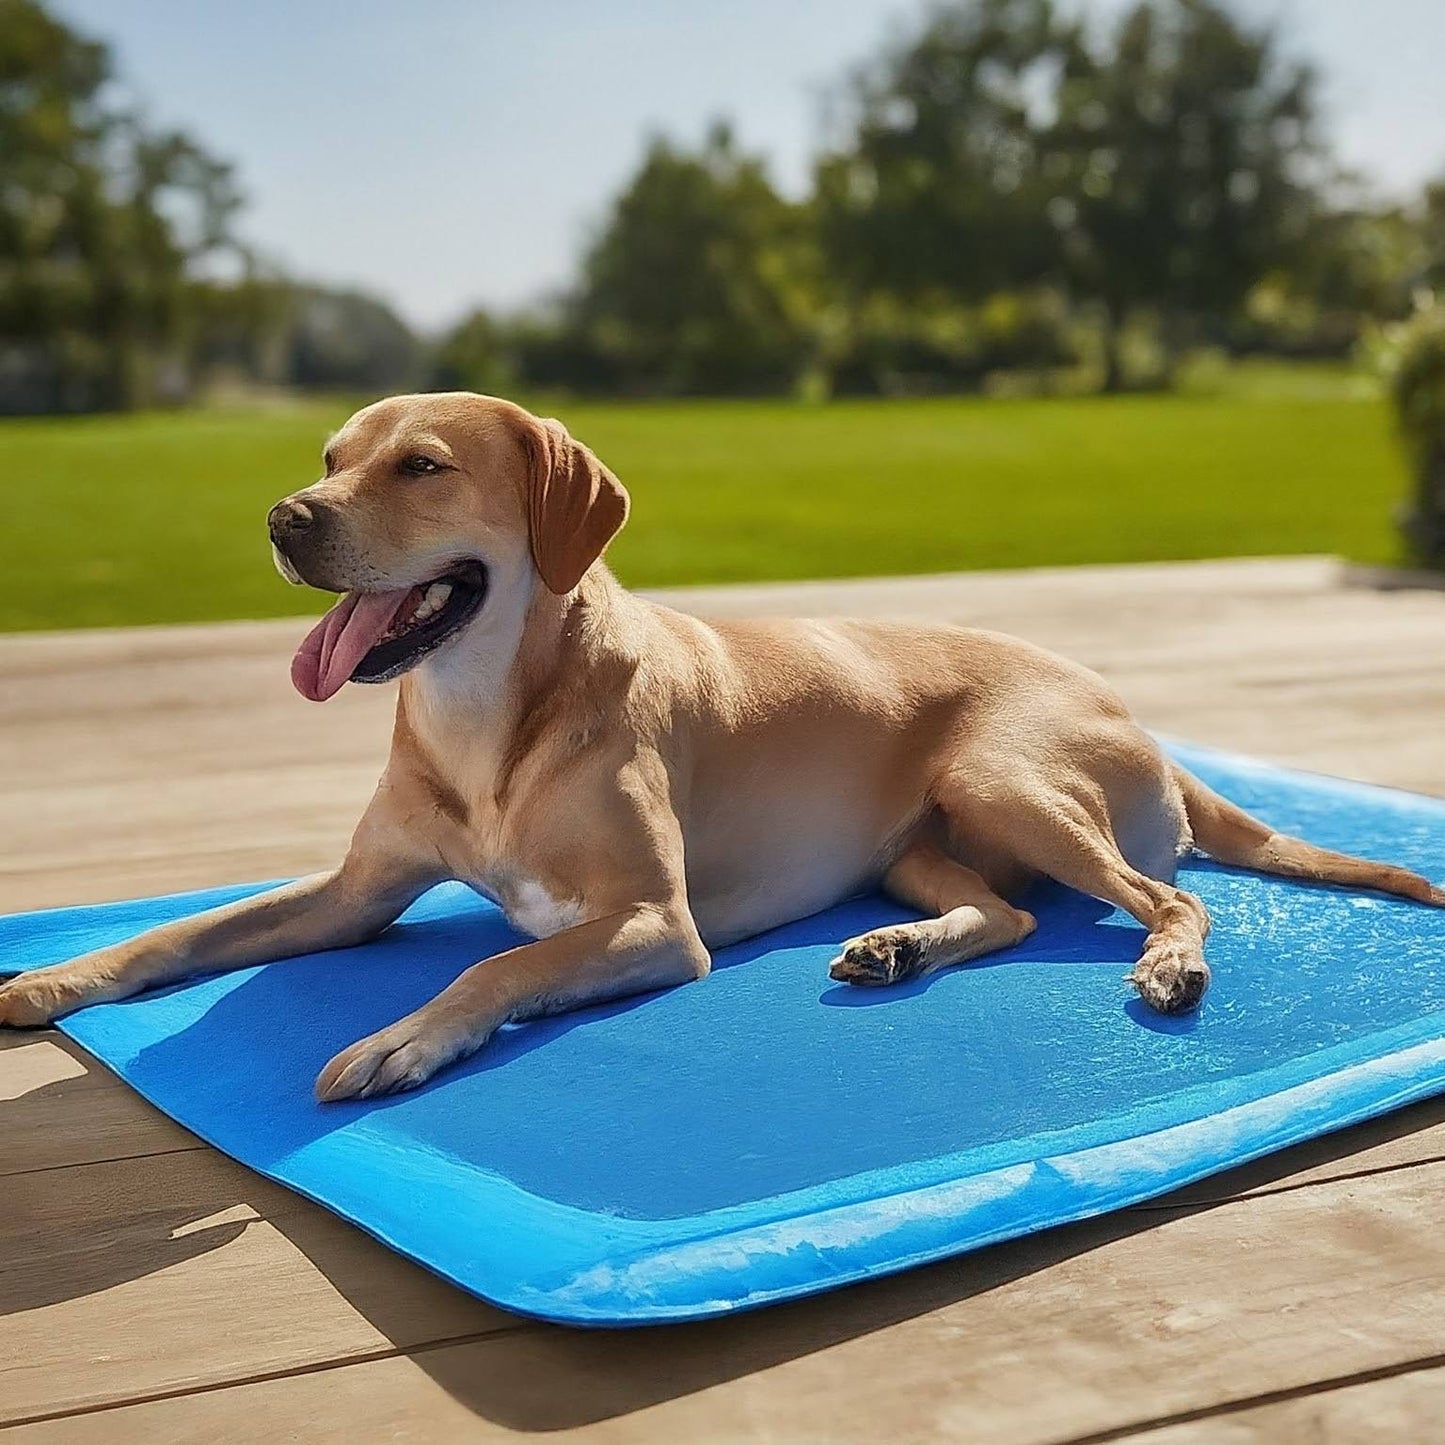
(288, 519)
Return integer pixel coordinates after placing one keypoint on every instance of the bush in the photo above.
(1417, 384)
(890, 347)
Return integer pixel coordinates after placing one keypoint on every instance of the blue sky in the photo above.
(446, 153)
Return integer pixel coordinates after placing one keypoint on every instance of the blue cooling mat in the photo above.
(768, 1133)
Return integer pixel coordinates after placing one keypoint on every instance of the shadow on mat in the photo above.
(537, 1377)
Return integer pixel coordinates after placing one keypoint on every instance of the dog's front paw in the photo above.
(32, 999)
(1170, 977)
(394, 1059)
(887, 955)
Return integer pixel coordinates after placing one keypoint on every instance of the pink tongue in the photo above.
(328, 656)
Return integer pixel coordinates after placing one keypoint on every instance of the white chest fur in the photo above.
(530, 907)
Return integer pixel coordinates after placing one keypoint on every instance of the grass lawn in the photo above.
(159, 517)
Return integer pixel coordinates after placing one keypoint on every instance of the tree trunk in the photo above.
(1173, 339)
(1113, 348)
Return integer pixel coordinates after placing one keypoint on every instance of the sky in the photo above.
(446, 154)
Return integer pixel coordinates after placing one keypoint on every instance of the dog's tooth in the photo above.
(438, 593)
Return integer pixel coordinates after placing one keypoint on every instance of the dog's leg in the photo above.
(633, 950)
(1069, 838)
(972, 920)
(626, 946)
(1171, 974)
(329, 910)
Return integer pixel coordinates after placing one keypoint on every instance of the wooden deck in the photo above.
(151, 1290)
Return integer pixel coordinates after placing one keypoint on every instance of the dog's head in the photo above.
(432, 509)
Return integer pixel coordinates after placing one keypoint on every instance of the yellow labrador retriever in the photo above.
(634, 786)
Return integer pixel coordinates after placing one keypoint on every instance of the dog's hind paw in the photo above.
(887, 955)
(1170, 977)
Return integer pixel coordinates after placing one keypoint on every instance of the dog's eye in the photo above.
(420, 466)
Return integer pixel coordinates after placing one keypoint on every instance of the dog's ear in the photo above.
(575, 506)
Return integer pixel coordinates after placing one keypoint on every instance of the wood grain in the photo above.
(60, 1107)
(1399, 1407)
(181, 1270)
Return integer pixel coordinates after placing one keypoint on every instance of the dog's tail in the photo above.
(1229, 834)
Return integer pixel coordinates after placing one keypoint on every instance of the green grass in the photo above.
(159, 518)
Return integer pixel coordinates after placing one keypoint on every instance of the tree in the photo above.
(1162, 168)
(1362, 263)
(938, 188)
(1183, 165)
(474, 356)
(103, 224)
(52, 206)
(1433, 236)
(700, 280)
(347, 339)
(1417, 385)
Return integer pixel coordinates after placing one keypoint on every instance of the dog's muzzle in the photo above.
(299, 532)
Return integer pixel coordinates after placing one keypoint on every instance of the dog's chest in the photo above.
(529, 905)
(536, 907)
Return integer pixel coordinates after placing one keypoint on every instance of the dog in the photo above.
(634, 786)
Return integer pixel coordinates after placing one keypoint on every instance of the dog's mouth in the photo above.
(376, 636)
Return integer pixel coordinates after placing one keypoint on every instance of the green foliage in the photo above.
(112, 240)
(702, 278)
(475, 356)
(890, 347)
(1364, 262)
(1011, 200)
(1417, 386)
(1432, 230)
(1360, 267)
(102, 223)
(347, 340)
(160, 518)
(939, 185)
(1181, 158)
(1167, 168)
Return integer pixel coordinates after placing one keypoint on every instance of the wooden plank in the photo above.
(1093, 1329)
(58, 1107)
(152, 760)
(1404, 1407)
(181, 1270)
(115, 1216)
